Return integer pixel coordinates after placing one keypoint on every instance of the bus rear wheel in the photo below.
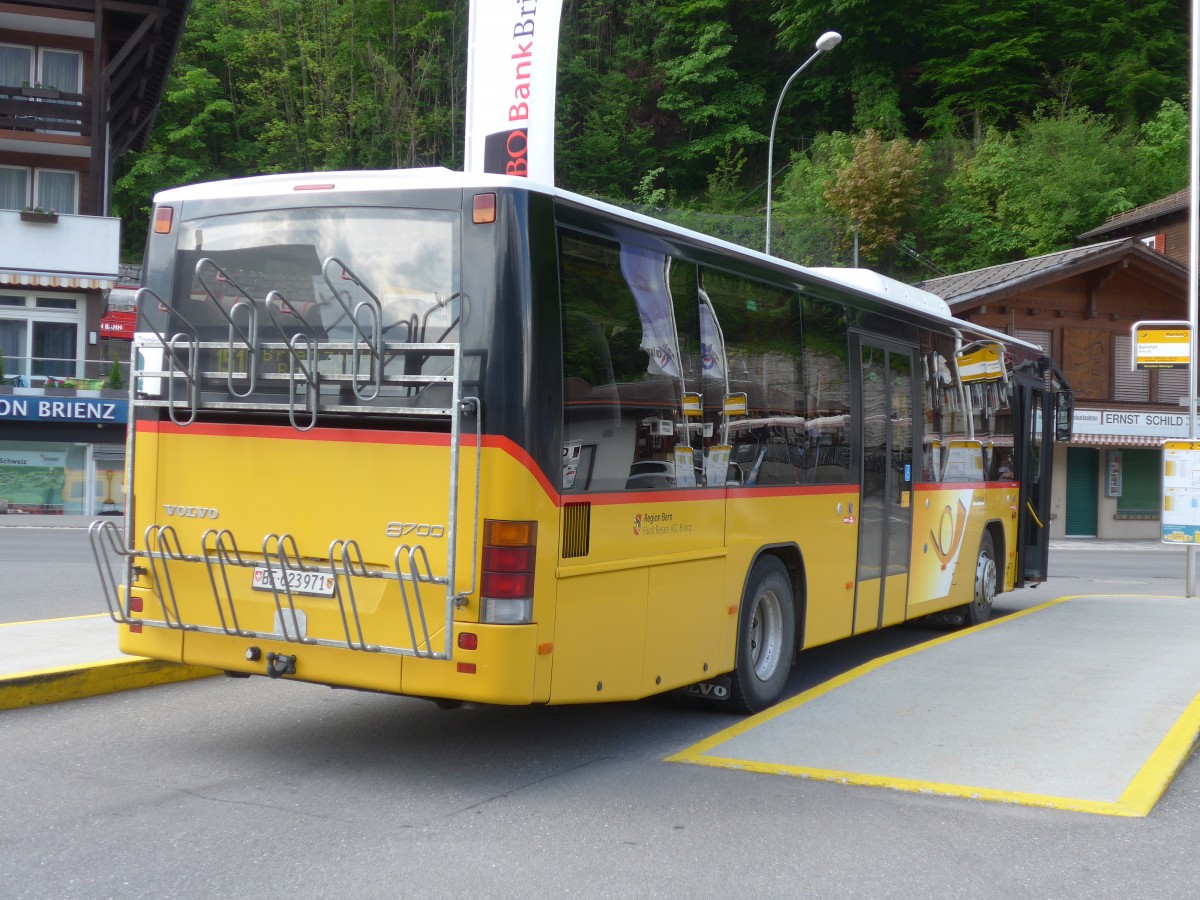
(766, 637)
(987, 577)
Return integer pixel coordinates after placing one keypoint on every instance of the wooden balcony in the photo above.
(45, 111)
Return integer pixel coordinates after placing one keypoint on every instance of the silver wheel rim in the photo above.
(766, 634)
(985, 582)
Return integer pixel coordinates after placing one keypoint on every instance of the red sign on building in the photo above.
(119, 324)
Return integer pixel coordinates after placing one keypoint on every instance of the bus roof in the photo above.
(863, 281)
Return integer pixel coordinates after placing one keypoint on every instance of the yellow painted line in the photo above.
(1143, 792)
(1153, 779)
(63, 619)
(42, 686)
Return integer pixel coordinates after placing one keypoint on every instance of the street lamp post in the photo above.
(827, 41)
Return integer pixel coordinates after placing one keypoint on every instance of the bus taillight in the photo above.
(506, 588)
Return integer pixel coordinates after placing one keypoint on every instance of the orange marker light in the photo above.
(483, 209)
(510, 534)
(164, 216)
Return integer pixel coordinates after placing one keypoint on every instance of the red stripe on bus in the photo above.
(287, 433)
(964, 485)
(685, 495)
(351, 436)
(797, 490)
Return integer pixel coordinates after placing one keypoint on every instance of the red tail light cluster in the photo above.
(509, 556)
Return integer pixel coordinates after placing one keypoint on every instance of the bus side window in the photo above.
(622, 390)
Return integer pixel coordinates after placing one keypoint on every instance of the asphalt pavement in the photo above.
(1092, 701)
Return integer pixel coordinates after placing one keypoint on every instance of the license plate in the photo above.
(314, 584)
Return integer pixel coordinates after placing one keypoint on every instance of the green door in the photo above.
(1083, 480)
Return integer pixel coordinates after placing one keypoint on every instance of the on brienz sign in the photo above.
(93, 410)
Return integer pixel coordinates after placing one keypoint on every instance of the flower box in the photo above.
(37, 215)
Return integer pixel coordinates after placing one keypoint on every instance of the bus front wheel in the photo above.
(766, 637)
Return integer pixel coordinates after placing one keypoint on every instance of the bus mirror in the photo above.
(1064, 408)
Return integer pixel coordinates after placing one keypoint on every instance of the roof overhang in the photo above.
(1126, 253)
(58, 280)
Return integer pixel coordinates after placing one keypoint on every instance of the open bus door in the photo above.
(1044, 407)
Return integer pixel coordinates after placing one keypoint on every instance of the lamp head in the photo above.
(828, 40)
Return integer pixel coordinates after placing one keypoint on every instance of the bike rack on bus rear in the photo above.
(179, 386)
(220, 554)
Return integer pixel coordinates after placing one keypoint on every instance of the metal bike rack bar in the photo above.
(373, 341)
(307, 367)
(189, 372)
(220, 557)
(248, 336)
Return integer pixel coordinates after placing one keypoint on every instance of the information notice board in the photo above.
(1181, 492)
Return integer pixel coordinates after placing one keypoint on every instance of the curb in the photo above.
(93, 679)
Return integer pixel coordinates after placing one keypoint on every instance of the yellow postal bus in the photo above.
(468, 438)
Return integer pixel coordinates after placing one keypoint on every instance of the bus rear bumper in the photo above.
(500, 670)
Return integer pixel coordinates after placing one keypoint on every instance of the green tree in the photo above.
(984, 64)
(875, 193)
(1030, 191)
(192, 142)
(700, 86)
(1161, 154)
(1129, 55)
(804, 227)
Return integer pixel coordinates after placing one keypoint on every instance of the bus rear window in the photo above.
(348, 277)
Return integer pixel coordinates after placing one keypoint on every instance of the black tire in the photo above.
(766, 637)
(987, 579)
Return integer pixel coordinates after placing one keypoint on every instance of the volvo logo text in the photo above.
(191, 512)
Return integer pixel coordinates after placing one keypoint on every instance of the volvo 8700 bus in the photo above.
(467, 438)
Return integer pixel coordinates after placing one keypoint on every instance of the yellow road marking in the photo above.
(62, 619)
(74, 682)
(1139, 797)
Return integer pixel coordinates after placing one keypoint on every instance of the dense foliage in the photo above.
(943, 135)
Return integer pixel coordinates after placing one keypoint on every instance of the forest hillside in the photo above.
(944, 135)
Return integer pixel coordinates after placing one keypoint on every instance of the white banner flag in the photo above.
(646, 272)
(512, 61)
(712, 342)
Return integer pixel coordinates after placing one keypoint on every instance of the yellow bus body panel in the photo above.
(820, 525)
(645, 610)
(948, 525)
(279, 481)
(653, 604)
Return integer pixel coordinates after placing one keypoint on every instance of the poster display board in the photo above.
(1181, 492)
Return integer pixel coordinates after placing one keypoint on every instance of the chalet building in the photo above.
(1161, 225)
(1080, 306)
(80, 81)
